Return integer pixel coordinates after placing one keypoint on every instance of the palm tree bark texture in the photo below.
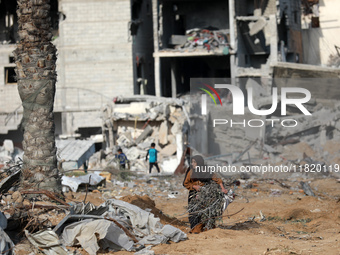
(35, 58)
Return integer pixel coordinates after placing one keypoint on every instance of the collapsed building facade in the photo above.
(112, 48)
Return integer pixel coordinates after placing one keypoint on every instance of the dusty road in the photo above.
(294, 223)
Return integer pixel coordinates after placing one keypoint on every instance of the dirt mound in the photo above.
(296, 214)
(145, 202)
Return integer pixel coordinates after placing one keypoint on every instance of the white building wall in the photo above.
(319, 42)
(94, 59)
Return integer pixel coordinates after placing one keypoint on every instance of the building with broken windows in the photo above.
(110, 48)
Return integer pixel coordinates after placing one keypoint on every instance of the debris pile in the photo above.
(55, 227)
(132, 124)
(202, 39)
(161, 186)
(295, 139)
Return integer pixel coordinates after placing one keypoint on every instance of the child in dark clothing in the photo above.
(152, 153)
(122, 158)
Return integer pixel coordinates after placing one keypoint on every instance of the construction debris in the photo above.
(202, 39)
(73, 183)
(114, 225)
(307, 189)
(6, 244)
(132, 124)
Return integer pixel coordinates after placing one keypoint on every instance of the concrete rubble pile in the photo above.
(132, 124)
(311, 140)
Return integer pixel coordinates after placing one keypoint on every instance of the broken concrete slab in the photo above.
(72, 154)
(169, 150)
(125, 140)
(163, 133)
(147, 131)
(145, 145)
(134, 153)
(139, 165)
(255, 27)
(169, 164)
(176, 129)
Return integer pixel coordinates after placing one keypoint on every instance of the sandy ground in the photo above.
(294, 223)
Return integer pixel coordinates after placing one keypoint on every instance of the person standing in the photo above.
(122, 159)
(152, 153)
(195, 179)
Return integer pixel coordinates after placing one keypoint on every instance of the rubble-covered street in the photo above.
(169, 127)
(295, 213)
(264, 209)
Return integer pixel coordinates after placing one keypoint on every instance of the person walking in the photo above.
(194, 179)
(152, 153)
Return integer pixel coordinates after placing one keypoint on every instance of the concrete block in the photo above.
(163, 133)
(169, 165)
(169, 150)
(146, 144)
(124, 141)
(147, 131)
(134, 153)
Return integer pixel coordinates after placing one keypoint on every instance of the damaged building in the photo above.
(133, 123)
(192, 39)
(153, 47)
(224, 39)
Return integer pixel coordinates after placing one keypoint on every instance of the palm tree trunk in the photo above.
(35, 58)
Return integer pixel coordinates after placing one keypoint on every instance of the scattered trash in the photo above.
(307, 189)
(201, 38)
(47, 241)
(73, 183)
